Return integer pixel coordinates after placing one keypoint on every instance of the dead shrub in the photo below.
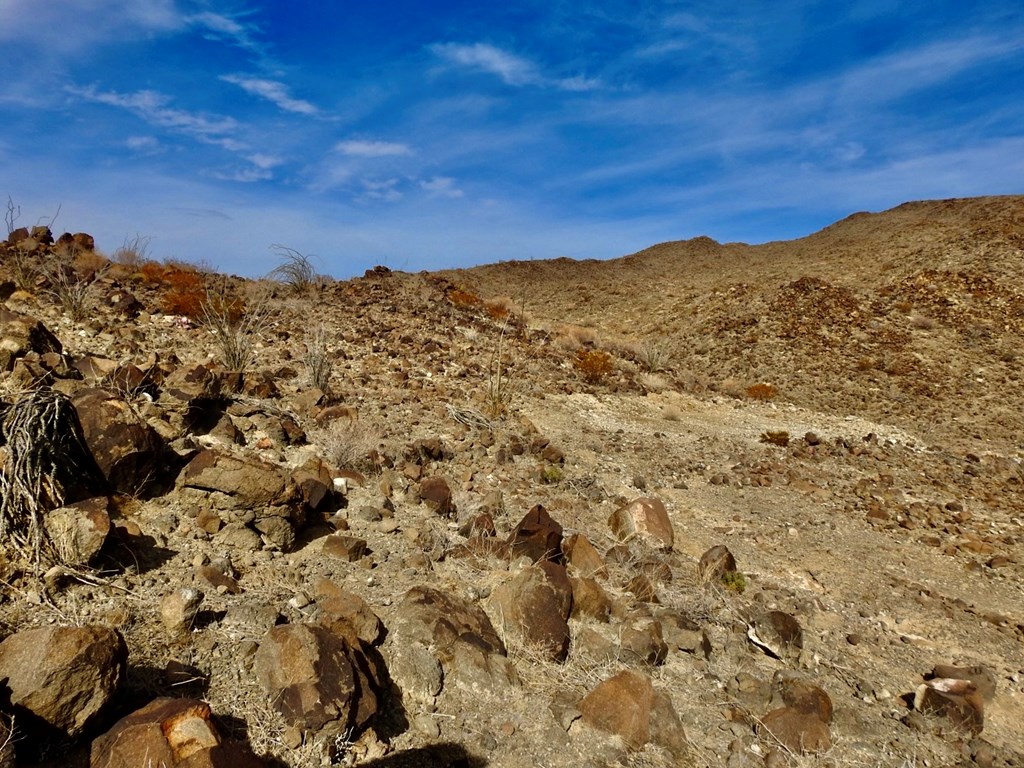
(499, 308)
(348, 444)
(133, 252)
(762, 392)
(593, 365)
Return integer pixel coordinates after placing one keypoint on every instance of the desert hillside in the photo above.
(708, 504)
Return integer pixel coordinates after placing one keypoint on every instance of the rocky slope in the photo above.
(707, 504)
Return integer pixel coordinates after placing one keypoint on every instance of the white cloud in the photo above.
(264, 161)
(361, 148)
(142, 143)
(95, 20)
(245, 175)
(273, 91)
(152, 107)
(221, 27)
(442, 186)
(385, 190)
(512, 69)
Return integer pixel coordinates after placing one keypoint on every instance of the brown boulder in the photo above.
(63, 676)
(645, 519)
(641, 641)
(799, 732)
(237, 481)
(21, 334)
(629, 706)
(341, 610)
(583, 557)
(537, 536)
(536, 603)
(715, 563)
(315, 677)
(957, 701)
(437, 640)
(169, 732)
(78, 531)
(128, 451)
(436, 494)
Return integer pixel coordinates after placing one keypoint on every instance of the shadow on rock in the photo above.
(443, 755)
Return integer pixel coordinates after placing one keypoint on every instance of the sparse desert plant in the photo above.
(734, 581)
(655, 355)
(133, 252)
(236, 324)
(69, 289)
(502, 381)
(593, 365)
(47, 458)
(319, 358)
(571, 337)
(762, 392)
(296, 270)
(499, 308)
(23, 266)
(12, 215)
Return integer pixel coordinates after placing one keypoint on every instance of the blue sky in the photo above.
(431, 135)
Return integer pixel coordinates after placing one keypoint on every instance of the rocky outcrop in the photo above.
(21, 334)
(629, 706)
(63, 677)
(315, 677)
(128, 451)
(437, 642)
(169, 732)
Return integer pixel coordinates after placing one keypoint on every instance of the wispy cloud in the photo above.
(364, 148)
(152, 107)
(223, 27)
(510, 68)
(273, 91)
(441, 186)
(385, 190)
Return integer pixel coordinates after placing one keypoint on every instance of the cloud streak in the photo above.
(273, 91)
(508, 67)
(372, 149)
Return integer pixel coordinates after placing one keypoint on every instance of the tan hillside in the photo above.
(709, 505)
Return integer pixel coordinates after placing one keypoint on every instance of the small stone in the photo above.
(178, 610)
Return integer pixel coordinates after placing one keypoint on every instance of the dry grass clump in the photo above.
(235, 323)
(348, 443)
(296, 270)
(319, 358)
(133, 252)
(922, 322)
(570, 337)
(69, 288)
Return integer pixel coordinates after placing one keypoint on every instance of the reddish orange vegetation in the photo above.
(185, 293)
(762, 392)
(593, 364)
(463, 299)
